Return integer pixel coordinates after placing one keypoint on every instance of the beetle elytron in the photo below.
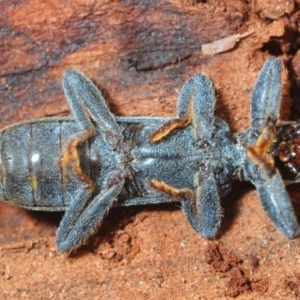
(87, 164)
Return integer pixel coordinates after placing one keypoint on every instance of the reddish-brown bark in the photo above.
(139, 53)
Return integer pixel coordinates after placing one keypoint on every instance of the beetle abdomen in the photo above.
(30, 175)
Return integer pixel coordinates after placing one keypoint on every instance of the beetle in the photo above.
(87, 164)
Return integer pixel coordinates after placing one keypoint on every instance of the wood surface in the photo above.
(139, 53)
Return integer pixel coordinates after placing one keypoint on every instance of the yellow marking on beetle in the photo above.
(259, 152)
(171, 125)
(3, 177)
(168, 127)
(33, 183)
(71, 156)
(169, 190)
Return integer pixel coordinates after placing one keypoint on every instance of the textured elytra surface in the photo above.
(140, 55)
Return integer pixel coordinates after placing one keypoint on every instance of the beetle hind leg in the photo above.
(85, 214)
(90, 110)
(93, 117)
(89, 107)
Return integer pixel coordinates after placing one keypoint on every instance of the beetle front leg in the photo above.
(269, 184)
(277, 205)
(266, 96)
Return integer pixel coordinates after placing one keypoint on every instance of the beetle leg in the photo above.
(92, 115)
(195, 106)
(147, 200)
(277, 204)
(84, 214)
(271, 189)
(197, 100)
(89, 107)
(204, 212)
(266, 96)
(202, 209)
